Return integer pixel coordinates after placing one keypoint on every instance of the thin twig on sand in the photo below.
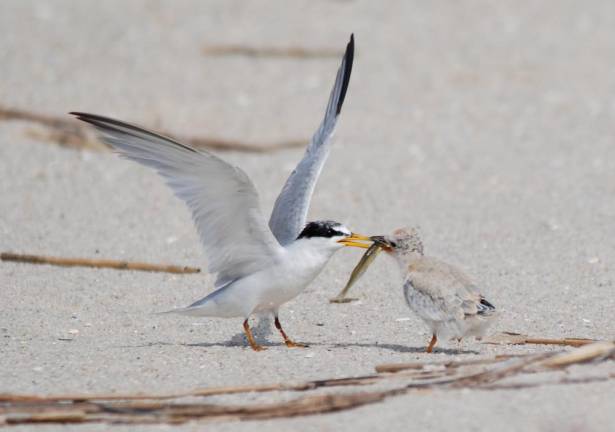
(398, 367)
(201, 392)
(293, 52)
(505, 338)
(511, 338)
(63, 131)
(598, 350)
(481, 374)
(96, 263)
(69, 132)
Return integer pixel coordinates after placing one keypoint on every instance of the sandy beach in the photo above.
(489, 126)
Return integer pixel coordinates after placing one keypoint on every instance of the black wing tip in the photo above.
(103, 122)
(349, 58)
(92, 118)
(80, 115)
(485, 307)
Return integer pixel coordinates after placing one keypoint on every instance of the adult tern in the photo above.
(258, 268)
(440, 294)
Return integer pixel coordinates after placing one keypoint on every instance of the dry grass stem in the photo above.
(480, 374)
(96, 263)
(270, 52)
(68, 132)
(511, 338)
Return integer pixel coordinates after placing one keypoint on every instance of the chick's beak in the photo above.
(355, 240)
(382, 242)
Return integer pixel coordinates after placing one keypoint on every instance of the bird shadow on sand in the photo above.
(227, 344)
(401, 348)
(232, 344)
(333, 346)
(239, 341)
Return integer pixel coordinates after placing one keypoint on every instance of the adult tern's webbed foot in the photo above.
(289, 343)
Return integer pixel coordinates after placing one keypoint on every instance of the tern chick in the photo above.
(440, 294)
(258, 267)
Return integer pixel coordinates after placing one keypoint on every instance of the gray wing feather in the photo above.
(441, 292)
(291, 207)
(223, 200)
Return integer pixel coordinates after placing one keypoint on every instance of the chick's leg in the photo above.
(432, 344)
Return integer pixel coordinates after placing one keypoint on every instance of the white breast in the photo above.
(299, 266)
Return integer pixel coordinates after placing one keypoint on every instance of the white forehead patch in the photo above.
(343, 229)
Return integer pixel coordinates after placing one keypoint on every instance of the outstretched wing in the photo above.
(222, 198)
(291, 206)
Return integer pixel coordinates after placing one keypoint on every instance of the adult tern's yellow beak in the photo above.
(355, 240)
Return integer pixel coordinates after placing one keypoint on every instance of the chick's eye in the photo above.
(393, 244)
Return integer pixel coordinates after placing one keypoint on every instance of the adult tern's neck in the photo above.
(312, 249)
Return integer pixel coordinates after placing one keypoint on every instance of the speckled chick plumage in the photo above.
(441, 294)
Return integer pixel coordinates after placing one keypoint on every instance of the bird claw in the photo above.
(291, 344)
(258, 348)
